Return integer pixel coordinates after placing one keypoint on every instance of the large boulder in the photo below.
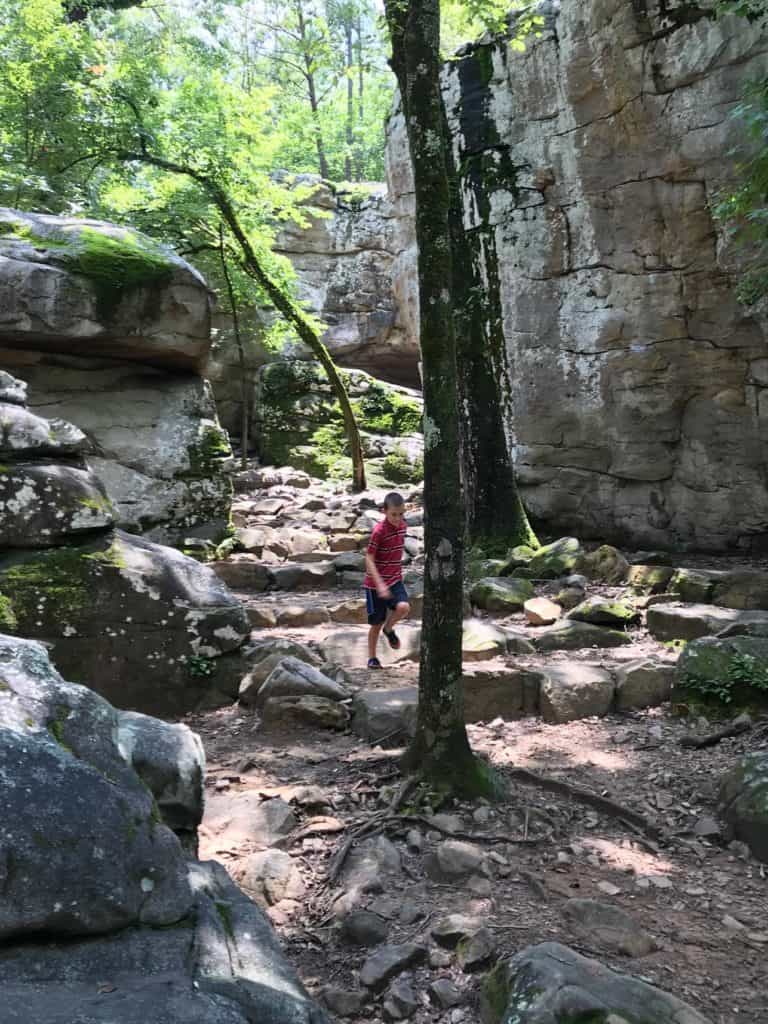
(111, 329)
(170, 761)
(82, 286)
(743, 801)
(221, 965)
(552, 560)
(732, 669)
(500, 594)
(76, 817)
(156, 442)
(551, 984)
(141, 624)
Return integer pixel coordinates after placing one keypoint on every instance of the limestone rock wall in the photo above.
(637, 382)
(344, 268)
(111, 331)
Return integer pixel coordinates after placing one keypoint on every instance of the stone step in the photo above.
(560, 693)
(691, 621)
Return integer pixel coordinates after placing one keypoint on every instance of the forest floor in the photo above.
(702, 900)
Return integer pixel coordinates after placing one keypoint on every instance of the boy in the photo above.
(385, 594)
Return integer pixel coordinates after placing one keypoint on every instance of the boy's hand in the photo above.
(383, 591)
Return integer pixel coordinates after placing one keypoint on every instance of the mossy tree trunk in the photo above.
(496, 518)
(440, 751)
(245, 380)
(279, 299)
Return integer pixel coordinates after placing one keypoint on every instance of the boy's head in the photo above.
(394, 508)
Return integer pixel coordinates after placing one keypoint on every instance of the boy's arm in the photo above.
(381, 587)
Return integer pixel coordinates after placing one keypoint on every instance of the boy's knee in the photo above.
(403, 608)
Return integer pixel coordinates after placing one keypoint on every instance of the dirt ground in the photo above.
(703, 899)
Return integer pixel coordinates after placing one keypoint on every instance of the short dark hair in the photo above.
(394, 500)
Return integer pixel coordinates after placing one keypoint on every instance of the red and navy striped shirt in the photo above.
(386, 549)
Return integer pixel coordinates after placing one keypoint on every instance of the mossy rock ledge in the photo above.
(551, 984)
(300, 424)
(145, 626)
(116, 293)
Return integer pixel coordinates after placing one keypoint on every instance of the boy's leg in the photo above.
(373, 638)
(400, 609)
(377, 613)
(396, 614)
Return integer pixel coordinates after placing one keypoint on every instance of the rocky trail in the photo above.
(609, 840)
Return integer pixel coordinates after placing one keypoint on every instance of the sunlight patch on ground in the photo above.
(626, 855)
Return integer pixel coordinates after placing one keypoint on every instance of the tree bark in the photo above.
(278, 298)
(309, 76)
(350, 138)
(440, 750)
(245, 397)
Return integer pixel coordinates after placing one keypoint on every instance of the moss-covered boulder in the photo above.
(500, 593)
(91, 288)
(573, 636)
(141, 624)
(603, 611)
(551, 984)
(43, 503)
(552, 560)
(299, 423)
(606, 563)
(743, 802)
(694, 585)
(649, 579)
(746, 588)
(480, 568)
(729, 671)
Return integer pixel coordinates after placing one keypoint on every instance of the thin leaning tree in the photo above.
(440, 752)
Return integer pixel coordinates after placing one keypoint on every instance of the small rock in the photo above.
(454, 928)
(482, 815)
(446, 822)
(456, 859)
(661, 881)
(362, 928)
(609, 926)
(479, 886)
(706, 827)
(388, 962)
(732, 924)
(342, 1002)
(439, 958)
(443, 993)
(477, 951)
(540, 611)
(414, 841)
(402, 997)
(608, 888)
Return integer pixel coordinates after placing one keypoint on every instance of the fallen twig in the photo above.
(633, 819)
(735, 728)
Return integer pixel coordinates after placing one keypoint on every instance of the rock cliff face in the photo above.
(344, 267)
(142, 624)
(636, 383)
(110, 331)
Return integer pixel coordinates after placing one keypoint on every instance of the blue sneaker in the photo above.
(374, 663)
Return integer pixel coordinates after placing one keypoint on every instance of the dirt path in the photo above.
(703, 901)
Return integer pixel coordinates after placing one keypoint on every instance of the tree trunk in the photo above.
(360, 101)
(245, 397)
(278, 298)
(350, 138)
(312, 93)
(440, 750)
(496, 519)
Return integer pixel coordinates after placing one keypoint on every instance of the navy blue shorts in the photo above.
(379, 606)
